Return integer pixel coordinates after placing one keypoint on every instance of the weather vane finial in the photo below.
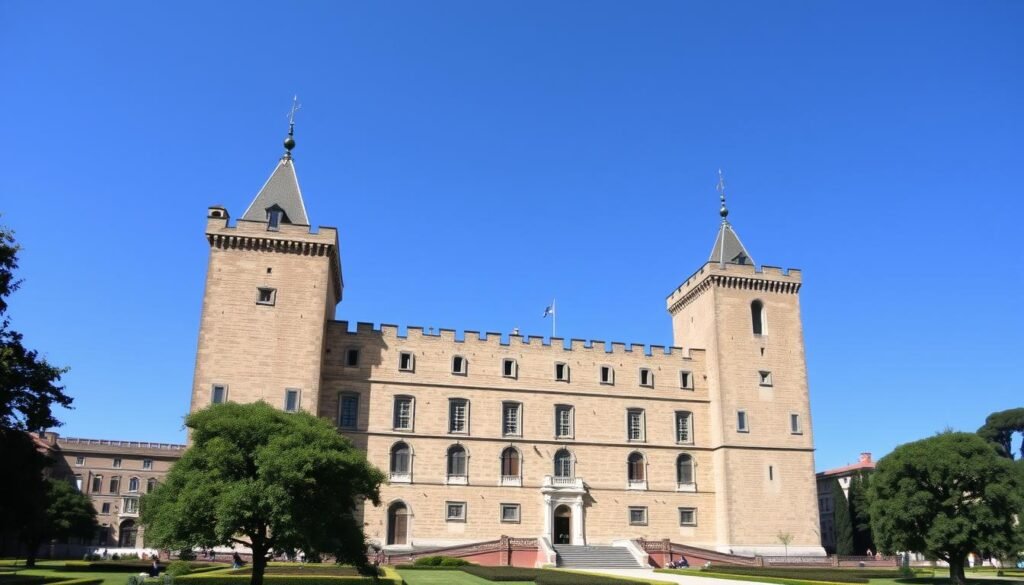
(721, 195)
(289, 143)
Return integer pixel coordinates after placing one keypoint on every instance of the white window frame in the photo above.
(796, 426)
(565, 372)
(411, 365)
(395, 412)
(452, 404)
(643, 510)
(606, 375)
(508, 506)
(130, 505)
(692, 511)
(298, 399)
(689, 427)
(133, 485)
(507, 372)
(147, 464)
(271, 294)
(457, 478)
(518, 406)
(448, 517)
(742, 421)
(223, 393)
(79, 460)
(570, 423)
(640, 427)
(462, 361)
(686, 380)
(650, 377)
(117, 463)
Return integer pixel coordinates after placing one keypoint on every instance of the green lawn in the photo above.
(108, 578)
(414, 577)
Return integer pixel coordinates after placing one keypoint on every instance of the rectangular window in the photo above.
(106, 508)
(646, 377)
(291, 400)
(687, 516)
(219, 395)
(638, 516)
(742, 424)
(607, 375)
(266, 296)
(510, 513)
(130, 506)
(147, 464)
(561, 372)
(794, 424)
(352, 358)
(97, 484)
(765, 378)
(406, 363)
(508, 368)
(274, 219)
(511, 413)
(78, 482)
(563, 421)
(684, 427)
(348, 410)
(458, 415)
(79, 460)
(403, 413)
(686, 380)
(459, 365)
(115, 485)
(455, 511)
(635, 424)
(117, 462)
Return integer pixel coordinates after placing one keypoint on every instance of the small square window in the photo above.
(638, 516)
(147, 464)
(510, 513)
(686, 380)
(291, 400)
(562, 372)
(794, 424)
(266, 296)
(455, 511)
(508, 368)
(607, 375)
(219, 394)
(459, 365)
(765, 378)
(79, 460)
(646, 377)
(117, 462)
(106, 508)
(687, 516)
(352, 358)
(742, 424)
(406, 361)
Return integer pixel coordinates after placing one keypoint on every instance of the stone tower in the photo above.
(272, 284)
(748, 320)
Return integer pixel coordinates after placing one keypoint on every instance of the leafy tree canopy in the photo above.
(28, 383)
(61, 512)
(999, 428)
(946, 496)
(265, 479)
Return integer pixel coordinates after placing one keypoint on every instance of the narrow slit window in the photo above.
(742, 424)
(757, 317)
(686, 380)
(794, 424)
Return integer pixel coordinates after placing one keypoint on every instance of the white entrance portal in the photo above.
(563, 510)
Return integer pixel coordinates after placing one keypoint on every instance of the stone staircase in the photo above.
(595, 557)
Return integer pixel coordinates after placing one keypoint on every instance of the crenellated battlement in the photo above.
(499, 341)
(770, 279)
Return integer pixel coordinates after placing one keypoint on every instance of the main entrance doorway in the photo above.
(398, 524)
(562, 525)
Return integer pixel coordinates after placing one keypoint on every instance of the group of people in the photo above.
(680, 563)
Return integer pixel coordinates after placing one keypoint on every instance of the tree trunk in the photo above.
(956, 571)
(259, 564)
(33, 550)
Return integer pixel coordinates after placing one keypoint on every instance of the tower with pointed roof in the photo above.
(747, 317)
(272, 285)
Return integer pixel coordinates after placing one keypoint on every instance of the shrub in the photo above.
(441, 561)
(454, 562)
(502, 573)
(410, 567)
(178, 568)
(115, 557)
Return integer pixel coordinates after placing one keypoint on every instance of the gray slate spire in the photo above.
(728, 248)
(281, 190)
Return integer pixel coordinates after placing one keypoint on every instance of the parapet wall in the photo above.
(767, 278)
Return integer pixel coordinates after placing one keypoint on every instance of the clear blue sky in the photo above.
(480, 158)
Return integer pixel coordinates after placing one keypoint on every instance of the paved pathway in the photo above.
(650, 575)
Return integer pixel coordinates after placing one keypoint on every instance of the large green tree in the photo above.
(1000, 427)
(61, 512)
(264, 479)
(841, 520)
(946, 496)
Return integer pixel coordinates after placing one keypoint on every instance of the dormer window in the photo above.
(275, 215)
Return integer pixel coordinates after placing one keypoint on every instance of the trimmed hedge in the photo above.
(15, 579)
(502, 573)
(309, 570)
(222, 579)
(85, 581)
(835, 574)
(441, 561)
(410, 567)
(549, 577)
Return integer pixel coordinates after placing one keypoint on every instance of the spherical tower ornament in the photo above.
(721, 195)
(289, 141)
(723, 211)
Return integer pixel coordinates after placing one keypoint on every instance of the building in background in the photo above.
(707, 443)
(826, 503)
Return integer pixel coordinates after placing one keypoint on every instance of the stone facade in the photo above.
(488, 434)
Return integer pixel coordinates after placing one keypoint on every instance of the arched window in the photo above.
(401, 462)
(150, 484)
(757, 317)
(456, 462)
(398, 523)
(684, 470)
(133, 484)
(127, 534)
(510, 463)
(636, 468)
(563, 463)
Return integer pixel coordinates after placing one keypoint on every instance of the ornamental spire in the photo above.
(728, 249)
(721, 195)
(289, 142)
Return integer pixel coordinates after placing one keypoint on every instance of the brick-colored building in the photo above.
(826, 503)
(114, 474)
(707, 443)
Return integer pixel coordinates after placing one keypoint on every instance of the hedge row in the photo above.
(311, 570)
(85, 581)
(836, 574)
(753, 578)
(15, 579)
(222, 579)
(549, 577)
(502, 573)
(411, 567)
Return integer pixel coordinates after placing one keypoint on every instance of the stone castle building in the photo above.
(706, 443)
